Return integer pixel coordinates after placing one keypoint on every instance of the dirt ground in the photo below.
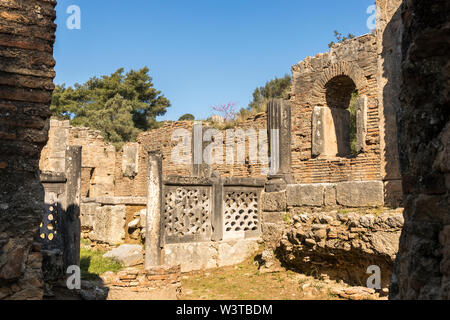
(241, 282)
(246, 282)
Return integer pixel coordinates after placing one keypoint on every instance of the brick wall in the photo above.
(356, 59)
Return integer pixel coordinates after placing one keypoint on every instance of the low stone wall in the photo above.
(156, 283)
(334, 229)
(342, 245)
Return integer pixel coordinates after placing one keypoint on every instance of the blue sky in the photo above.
(200, 53)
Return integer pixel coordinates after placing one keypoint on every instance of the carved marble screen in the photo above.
(241, 212)
(186, 214)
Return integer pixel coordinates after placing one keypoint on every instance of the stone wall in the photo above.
(332, 243)
(98, 162)
(110, 221)
(26, 85)
(161, 140)
(422, 269)
(109, 172)
(388, 35)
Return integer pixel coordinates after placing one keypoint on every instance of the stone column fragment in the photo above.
(199, 167)
(71, 202)
(361, 123)
(279, 132)
(153, 235)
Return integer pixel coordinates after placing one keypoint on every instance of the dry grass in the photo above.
(245, 282)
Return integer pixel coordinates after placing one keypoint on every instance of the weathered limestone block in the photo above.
(87, 214)
(143, 217)
(109, 225)
(360, 193)
(130, 159)
(318, 131)
(208, 255)
(272, 234)
(128, 254)
(384, 243)
(361, 123)
(330, 195)
(273, 201)
(53, 156)
(235, 252)
(191, 256)
(305, 195)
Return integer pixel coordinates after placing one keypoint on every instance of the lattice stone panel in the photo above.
(241, 213)
(187, 214)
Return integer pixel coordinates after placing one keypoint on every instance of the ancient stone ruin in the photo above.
(26, 65)
(422, 268)
(360, 137)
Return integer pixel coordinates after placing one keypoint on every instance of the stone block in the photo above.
(87, 214)
(360, 193)
(235, 252)
(109, 225)
(274, 201)
(330, 195)
(191, 256)
(272, 234)
(143, 217)
(305, 195)
(318, 130)
(127, 254)
(130, 160)
(208, 255)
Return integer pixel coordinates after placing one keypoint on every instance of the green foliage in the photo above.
(287, 218)
(340, 38)
(353, 129)
(187, 117)
(119, 105)
(92, 264)
(276, 88)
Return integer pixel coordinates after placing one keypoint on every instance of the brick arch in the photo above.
(338, 69)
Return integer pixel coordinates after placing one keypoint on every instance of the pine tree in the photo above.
(119, 105)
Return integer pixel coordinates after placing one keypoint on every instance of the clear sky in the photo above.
(200, 52)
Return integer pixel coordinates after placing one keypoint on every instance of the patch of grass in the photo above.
(302, 281)
(243, 282)
(93, 264)
(287, 218)
(85, 242)
(344, 211)
(377, 211)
